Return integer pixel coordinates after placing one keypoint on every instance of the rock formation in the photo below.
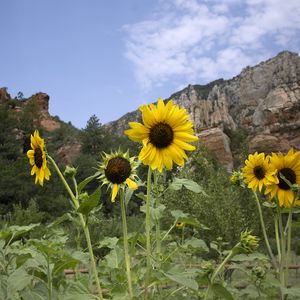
(264, 100)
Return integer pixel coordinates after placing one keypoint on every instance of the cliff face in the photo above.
(264, 100)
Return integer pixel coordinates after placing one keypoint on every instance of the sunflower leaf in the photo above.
(191, 185)
(220, 291)
(183, 279)
(87, 180)
(89, 202)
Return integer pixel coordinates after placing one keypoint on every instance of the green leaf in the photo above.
(65, 217)
(17, 281)
(128, 195)
(66, 262)
(189, 184)
(183, 280)
(250, 257)
(141, 196)
(87, 180)
(109, 242)
(269, 204)
(21, 259)
(114, 258)
(196, 244)
(221, 292)
(293, 291)
(177, 214)
(16, 231)
(89, 202)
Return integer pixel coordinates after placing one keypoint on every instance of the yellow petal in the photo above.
(186, 137)
(167, 160)
(114, 192)
(147, 116)
(184, 145)
(30, 153)
(131, 184)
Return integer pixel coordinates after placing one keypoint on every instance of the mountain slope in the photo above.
(263, 101)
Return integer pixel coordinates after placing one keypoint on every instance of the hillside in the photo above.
(258, 110)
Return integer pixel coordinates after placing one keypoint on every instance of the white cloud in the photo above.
(192, 40)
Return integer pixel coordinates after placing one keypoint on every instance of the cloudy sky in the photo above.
(107, 57)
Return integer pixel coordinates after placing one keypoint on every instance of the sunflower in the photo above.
(117, 169)
(179, 224)
(38, 158)
(289, 166)
(257, 172)
(165, 134)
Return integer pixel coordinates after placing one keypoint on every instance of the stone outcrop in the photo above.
(264, 100)
(218, 143)
(4, 95)
(40, 103)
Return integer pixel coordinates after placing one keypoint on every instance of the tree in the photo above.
(93, 136)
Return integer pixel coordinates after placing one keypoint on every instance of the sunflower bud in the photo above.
(70, 171)
(237, 178)
(259, 273)
(248, 242)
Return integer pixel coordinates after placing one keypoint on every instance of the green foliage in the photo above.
(224, 208)
(93, 137)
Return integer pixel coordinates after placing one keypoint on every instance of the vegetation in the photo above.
(184, 233)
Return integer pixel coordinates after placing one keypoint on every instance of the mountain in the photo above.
(257, 110)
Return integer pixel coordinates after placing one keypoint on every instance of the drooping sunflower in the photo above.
(257, 172)
(180, 225)
(289, 166)
(118, 169)
(38, 158)
(165, 134)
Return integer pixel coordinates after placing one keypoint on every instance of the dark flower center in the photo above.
(259, 172)
(38, 157)
(161, 135)
(118, 170)
(289, 175)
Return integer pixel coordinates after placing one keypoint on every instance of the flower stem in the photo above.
(125, 241)
(289, 239)
(277, 236)
(217, 271)
(148, 229)
(263, 227)
(85, 228)
(49, 279)
(282, 245)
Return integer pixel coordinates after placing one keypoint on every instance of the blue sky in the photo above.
(108, 57)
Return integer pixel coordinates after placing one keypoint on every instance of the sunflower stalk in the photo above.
(263, 227)
(276, 220)
(125, 241)
(158, 237)
(289, 239)
(218, 270)
(282, 246)
(148, 229)
(84, 225)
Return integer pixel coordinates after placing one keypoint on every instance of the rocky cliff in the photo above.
(263, 100)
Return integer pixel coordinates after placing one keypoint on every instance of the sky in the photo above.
(107, 57)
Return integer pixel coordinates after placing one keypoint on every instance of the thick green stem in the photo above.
(263, 227)
(217, 271)
(73, 198)
(49, 277)
(289, 239)
(276, 219)
(125, 241)
(282, 246)
(148, 229)
(85, 228)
